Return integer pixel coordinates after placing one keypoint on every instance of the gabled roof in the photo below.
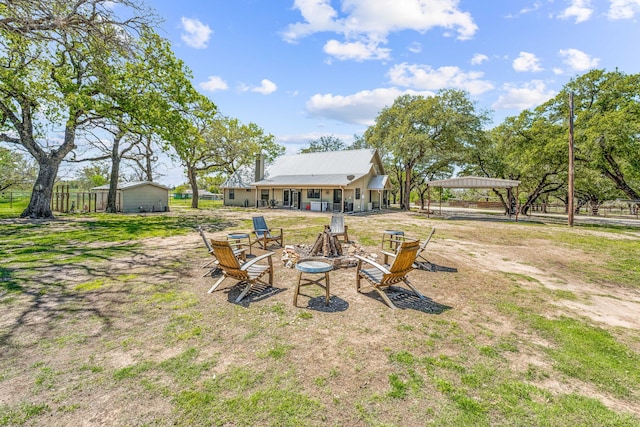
(133, 184)
(324, 163)
(242, 178)
(474, 182)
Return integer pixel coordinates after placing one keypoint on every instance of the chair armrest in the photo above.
(373, 263)
(387, 255)
(254, 260)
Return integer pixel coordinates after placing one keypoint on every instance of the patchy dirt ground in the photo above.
(58, 347)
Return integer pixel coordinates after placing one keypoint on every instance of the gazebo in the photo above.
(472, 182)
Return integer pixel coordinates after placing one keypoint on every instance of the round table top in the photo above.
(238, 235)
(393, 232)
(313, 266)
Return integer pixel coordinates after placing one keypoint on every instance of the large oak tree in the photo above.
(53, 56)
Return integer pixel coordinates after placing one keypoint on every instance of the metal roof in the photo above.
(347, 162)
(474, 182)
(378, 182)
(133, 184)
(243, 178)
(330, 180)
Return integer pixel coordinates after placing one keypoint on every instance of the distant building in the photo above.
(337, 181)
(140, 196)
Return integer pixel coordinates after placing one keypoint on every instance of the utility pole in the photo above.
(571, 169)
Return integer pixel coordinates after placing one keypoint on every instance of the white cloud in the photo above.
(266, 87)
(527, 62)
(578, 60)
(415, 47)
(214, 83)
(370, 21)
(479, 58)
(423, 77)
(530, 9)
(355, 50)
(526, 96)
(196, 34)
(361, 108)
(581, 10)
(623, 9)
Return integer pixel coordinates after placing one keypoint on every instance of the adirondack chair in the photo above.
(383, 276)
(212, 265)
(264, 234)
(421, 262)
(338, 228)
(251, 272)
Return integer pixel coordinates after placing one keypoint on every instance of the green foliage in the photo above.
(15, 171)
(425, 134)
(20, 415)
(325, 143)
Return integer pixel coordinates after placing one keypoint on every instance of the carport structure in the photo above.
(472, 182)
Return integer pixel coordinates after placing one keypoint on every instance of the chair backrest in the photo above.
(224, 253)
(337, 224)
(204, 239)
(405, 257)
(259, 223)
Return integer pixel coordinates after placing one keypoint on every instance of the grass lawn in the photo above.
(106, 320)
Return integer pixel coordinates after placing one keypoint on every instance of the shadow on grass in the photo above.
(258, 293)
(407, 300)
(40, 294)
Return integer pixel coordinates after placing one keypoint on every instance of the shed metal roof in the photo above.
(474, 182)
(133, 184)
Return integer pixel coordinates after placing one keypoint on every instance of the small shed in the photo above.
(138, 196)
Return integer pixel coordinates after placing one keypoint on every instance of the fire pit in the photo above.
(291, 254)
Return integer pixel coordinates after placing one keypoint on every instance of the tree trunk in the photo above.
(114, 177)
(191, 174)
(40, 203)
(407, 189)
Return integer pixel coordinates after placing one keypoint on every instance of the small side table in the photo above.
(394, 237)
(312, 267)
(240, 240)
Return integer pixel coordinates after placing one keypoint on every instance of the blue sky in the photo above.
(301, 69)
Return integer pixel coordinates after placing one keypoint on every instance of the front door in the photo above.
(337, 200)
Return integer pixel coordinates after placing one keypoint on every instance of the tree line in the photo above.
(426, 138)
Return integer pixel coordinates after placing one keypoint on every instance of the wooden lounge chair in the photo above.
(382, 276)
(213, 264)
(338, 228)
(251, 272)
(264, 234)
(421, 262)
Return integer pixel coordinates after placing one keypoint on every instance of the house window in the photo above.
(264, 195)
(232, 194)
(357, 194)
(313, 194)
